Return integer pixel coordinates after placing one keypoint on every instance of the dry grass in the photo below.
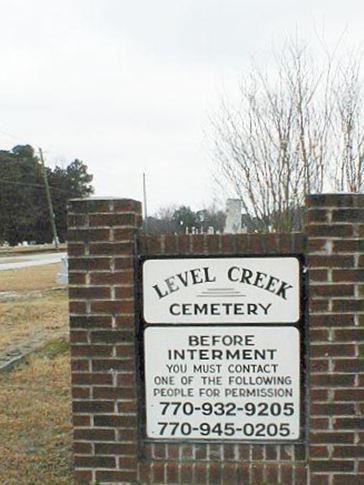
(29, 279)
(30, 317)
(35, 421)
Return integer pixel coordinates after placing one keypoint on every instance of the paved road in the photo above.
(24, 261)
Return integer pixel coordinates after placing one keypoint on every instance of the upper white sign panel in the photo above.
(221, 290)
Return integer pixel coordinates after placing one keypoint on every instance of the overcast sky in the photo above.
(127, 85)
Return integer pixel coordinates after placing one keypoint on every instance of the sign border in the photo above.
(232, 441)
(301, 293)
(301, 324)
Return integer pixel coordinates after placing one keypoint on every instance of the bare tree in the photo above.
(296, 129)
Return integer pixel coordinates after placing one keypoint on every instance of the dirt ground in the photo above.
(35, 420)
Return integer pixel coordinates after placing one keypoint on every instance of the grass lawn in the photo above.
(25, 318)
(29, 279)
(35, 420)
(35, 401)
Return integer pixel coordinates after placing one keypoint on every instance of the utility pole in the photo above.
(145, 203)
(49, 200)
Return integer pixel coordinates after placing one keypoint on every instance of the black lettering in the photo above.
(282, 290)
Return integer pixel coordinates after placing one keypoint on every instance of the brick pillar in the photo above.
(336, 271)
(102, 248)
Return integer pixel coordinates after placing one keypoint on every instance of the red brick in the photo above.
(318, 274)
(319, 305)
(228, 243)
(127, 205)
(114, 278)
(198, 243)
(350, 335)
(186, 473)
(81, 392)
(330, 200)
(91, 379)
(319, 424)
(348, 215)
(332, 409)
(125, 476)
(86, 235)
(328, 230)
(271, 473)
(317, 246)
(113, 306)
(123, 449)
(345, 479)
(331, 261)
(112, 364)
(348, 451)
(77, 307)
(353, 395)
(215, 473)
(335, 380)
(81, 421)
(349, 423)
(113, 220)
(126, 407)
(94, 434)
(125, 435)
(332, 350)
(318, 452)
(80, 447)
(128, 462)
(349, 275)
(92, 406)
(125, 234)
(349, 365)
(332, 319)
(91, 350)
(82, 476)
(106, 392)
(201, 472)
(77, 278)
(77, 221)
(94, 461)
(78, 365)
(331, 437)
(332, 465)
(76, 249)
(332, 290)
(115, 421)
(171, 473)
(348, 246)
(111, 248)
(348, 306)
(111, 336)
(122, 292)
(90, 292)
(213, 243)
(123, 263)
(317, 215)
(78, 336)
(90, 321)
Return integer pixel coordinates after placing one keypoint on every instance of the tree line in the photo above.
(182, 219)
(24, 213)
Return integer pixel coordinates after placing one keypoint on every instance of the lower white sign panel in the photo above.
(222, 383)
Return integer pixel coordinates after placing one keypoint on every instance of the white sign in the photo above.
(222, 383)
(221, 290)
